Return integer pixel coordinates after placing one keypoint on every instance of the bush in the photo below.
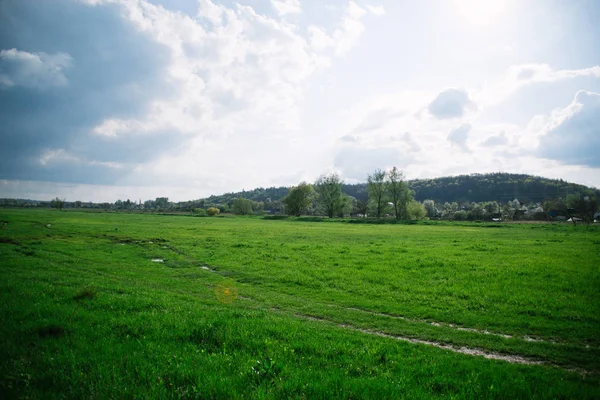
(212, 211)
(201, 212)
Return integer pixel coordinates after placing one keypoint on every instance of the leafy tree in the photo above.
(58, 203)
(376, 189)
(449, 210)
(430, 208)
(299, 199)
(491, 208)
(241, 206)
(415, 210)
(162, 203)
(329, 193)
(257, 207)
(212, 211)
(460, 215)
(476, 212)
(149, 205)
(584, 206)
(398, 192)
(361, 207)
(346, 205)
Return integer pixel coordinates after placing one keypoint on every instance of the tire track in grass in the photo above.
(490, 355)
(526, 338)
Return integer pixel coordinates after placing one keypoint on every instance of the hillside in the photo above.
(475, 187)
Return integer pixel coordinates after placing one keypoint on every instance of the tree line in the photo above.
(389, 195)
(385, 194)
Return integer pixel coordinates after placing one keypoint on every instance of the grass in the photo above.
(247, 307)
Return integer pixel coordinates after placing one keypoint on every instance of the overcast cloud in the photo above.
(108, 99)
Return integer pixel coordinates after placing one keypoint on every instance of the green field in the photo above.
(254, 308)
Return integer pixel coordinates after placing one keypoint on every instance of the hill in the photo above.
(500, 187)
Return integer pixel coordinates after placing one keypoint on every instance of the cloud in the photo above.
(113, 70)
(496, 140)
(345, 36)
(285, 7)
(377, 118)
(33, 70)
(524, 75)
(459, 136)
(573, 133)
(376, 10)
(140, 84)
(450, 103)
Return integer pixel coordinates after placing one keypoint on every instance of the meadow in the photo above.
(118, 305)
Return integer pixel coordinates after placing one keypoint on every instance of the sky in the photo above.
(136, 99)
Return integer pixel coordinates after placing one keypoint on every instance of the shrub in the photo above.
(212, 211)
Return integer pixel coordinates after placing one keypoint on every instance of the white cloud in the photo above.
(572, 134)
(210, 11)
(519, 76)
(33, 70)
(285, 7)
(376, 10)
(238, 90)
(459, 136)
(348, 31)
(62, 156)
(496, 140)
(451, 103)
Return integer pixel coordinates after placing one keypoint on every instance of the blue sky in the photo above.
(109, 99)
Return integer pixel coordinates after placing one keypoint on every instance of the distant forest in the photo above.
(500, 187)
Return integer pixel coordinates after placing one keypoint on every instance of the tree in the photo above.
(241, 206)
(299, 199)
(329, 193)
(212, 211)
(449, 210)
(415, 210)
(346, 204)
(162, 203)
(476, 212)
(399, 193)
(360, 208)
(491, 208)
(430, 208)
(460, 215)
(376, 190)
(257, 207)
(58, 203)
(584, 206)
